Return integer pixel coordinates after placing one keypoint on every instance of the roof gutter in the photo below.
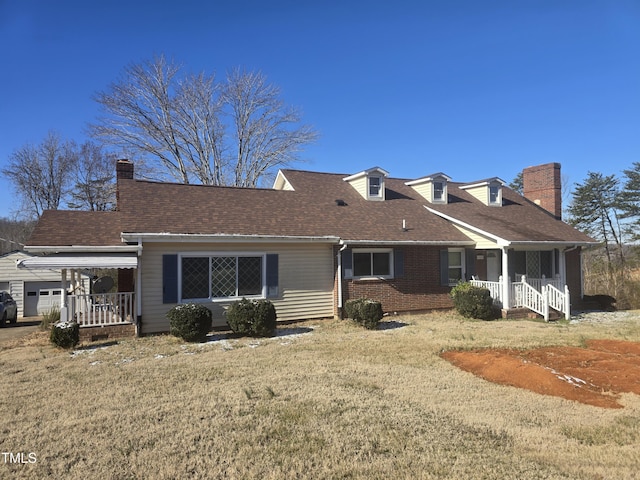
(223, 237)
(409, 242)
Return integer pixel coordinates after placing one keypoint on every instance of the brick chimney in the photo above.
(542, 185)
(124, 171)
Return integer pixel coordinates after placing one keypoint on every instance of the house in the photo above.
(315, 240)
(36, 291)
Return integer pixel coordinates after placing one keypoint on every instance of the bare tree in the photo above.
(199, 129)
(40, 173)
(94, 188)
(14, 233)
(264, 134)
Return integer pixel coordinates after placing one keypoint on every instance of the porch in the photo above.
(99, 313)
(540, 295)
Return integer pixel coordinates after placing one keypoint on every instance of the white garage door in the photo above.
(40, 297)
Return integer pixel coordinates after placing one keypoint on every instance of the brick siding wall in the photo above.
(91, 334)
(418, 290)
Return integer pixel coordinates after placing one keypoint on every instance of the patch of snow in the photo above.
(603, 317)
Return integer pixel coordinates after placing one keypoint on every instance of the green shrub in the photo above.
(352, 308)
(49, 318)
(190, 321)
(65, 334)
(256, 318)
(473, 302)
(364, 311)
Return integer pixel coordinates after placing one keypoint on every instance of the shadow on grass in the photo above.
(96, 345)
(392, 325)
(279, 333)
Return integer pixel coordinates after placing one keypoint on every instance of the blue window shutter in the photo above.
(170, 279)
(272, 275)
(347, 263)
(398, 263)
(444, 267)
(470, 262)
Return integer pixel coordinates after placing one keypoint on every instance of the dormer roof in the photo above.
(483, 183)
(365, 173)
(429, 178)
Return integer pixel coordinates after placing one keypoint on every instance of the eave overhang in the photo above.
(502, 242)
(224, 238)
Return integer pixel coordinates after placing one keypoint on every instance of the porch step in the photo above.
(516, 313)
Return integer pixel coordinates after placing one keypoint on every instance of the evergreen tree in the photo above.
(629, 200)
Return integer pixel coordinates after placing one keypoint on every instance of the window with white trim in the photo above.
(456, 265)
(494, 195)
(375, 184)
(373, 263)
(438, 191)
(222, 276)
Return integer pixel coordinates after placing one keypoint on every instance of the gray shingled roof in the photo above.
(309, 210)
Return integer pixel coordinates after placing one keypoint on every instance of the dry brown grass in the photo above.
(336, 401)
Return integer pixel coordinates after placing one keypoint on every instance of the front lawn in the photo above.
(323, 399)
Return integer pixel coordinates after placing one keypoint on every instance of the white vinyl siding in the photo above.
(306, 279)
(360, 184)
(482, 242)
(481, 193)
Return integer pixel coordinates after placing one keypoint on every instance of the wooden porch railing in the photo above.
(101, 309)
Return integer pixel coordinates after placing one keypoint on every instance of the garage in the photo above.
(34, 290)
(41, 297)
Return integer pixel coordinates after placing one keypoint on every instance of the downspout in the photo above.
(63, 300)
(340, 276)
(138, 291)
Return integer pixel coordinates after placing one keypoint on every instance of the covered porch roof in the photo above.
(81, 261)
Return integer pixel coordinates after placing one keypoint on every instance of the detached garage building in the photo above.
(35, 291)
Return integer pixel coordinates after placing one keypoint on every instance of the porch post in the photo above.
(563, 267)
(506, 281)
(63, 300)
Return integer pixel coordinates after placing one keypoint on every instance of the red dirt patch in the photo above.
(594, 375)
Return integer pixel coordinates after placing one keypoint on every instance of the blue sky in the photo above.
(474, 89)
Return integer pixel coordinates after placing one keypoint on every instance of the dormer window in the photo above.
(438, 191)
(374, 187)
(487, 191)
(494, 194)
(432, 188)
(370, 183)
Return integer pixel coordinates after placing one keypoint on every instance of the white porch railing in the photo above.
(495, 289)
(537, 294)
(539, 283)
(101, 309)
(525, 295)
(559, 300)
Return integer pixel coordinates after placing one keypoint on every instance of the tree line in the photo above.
(607, 208)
